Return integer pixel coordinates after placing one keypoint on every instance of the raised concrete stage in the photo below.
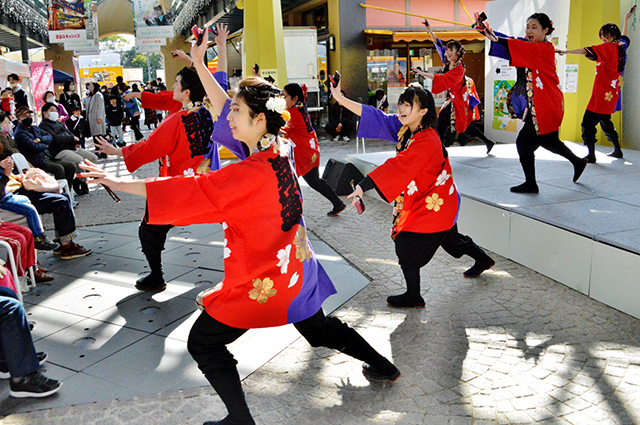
(585, 235)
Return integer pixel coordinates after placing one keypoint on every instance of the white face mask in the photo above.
(53, 116)
(51, 99)
(13, 85)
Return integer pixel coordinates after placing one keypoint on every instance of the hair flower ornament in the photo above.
(286, 116)
(265, 141)
(276, 104)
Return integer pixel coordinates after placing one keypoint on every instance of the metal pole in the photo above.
(25, 48)
(148, 68)
(414, 14)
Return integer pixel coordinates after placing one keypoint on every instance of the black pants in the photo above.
(415, 250)
(321, 186)
(448, 137)
(58, 204)
(61, 170)
(528, 142)
(348, 129)
(135, 126)
(152, 239)
(444, 126)
(589, 123)
(209, 338)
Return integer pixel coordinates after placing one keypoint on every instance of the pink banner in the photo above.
(41, 81)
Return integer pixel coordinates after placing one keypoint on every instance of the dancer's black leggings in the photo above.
(415, 250)
(528, 141)
(321, 186)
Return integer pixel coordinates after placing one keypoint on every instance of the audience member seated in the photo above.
(65, 146)
(379, 100)
(21, 241)
(34, 143)
(19, 361)
(58, 204)
(21, 205)
(342, 122)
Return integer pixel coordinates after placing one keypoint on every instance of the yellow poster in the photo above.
(102, 75)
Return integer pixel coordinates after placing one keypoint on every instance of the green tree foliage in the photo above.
(112, 43)
(131, 59)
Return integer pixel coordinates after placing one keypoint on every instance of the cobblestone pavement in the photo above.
(509, 347)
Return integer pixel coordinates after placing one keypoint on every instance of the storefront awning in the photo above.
(421, 36)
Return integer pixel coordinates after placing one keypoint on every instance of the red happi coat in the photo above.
(548, 100)
(306, 151)
(179, 140)
(162, 101)
(604, 96)
(471, 90)
(423, 174)
(453, 81)
(271, 274)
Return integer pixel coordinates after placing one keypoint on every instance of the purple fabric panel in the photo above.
(221, 78)
(222, 133)
(375, 124)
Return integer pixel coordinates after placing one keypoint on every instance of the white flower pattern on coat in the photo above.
(294, 279)
(227, 251)
(283, 257)
(412, 188)
(442, 178)
(188, 172)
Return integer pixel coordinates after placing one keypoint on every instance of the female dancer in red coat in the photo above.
(544, 100)
(306, 151)
(272, 276)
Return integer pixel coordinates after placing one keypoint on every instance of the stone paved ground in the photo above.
(509, 347)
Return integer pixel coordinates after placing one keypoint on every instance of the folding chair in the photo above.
(22, 164)
(14, 269)
(358, 139)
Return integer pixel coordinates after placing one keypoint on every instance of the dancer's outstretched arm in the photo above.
(99, 176)
(215, 92)
(351, 105)
(625, 27)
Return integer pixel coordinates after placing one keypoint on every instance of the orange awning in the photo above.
(421, 36)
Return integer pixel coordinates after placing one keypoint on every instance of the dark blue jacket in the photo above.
(35, 152)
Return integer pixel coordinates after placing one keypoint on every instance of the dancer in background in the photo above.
(306, 151)
(180, 142)
(419, 180)
(544, 100)
(270, 280)
(610, 57)
(457, 114)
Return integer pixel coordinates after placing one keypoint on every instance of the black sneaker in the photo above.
(337, 210)
(525, 188)
(372, 372)
(405, 301)
(33, 385)
(43, 243)
(121, 144)
(479, 267)
(579, 168)
(151, 282)
(4, 371)
(617, 153)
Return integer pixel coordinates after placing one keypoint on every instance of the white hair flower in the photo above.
(277, 104)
